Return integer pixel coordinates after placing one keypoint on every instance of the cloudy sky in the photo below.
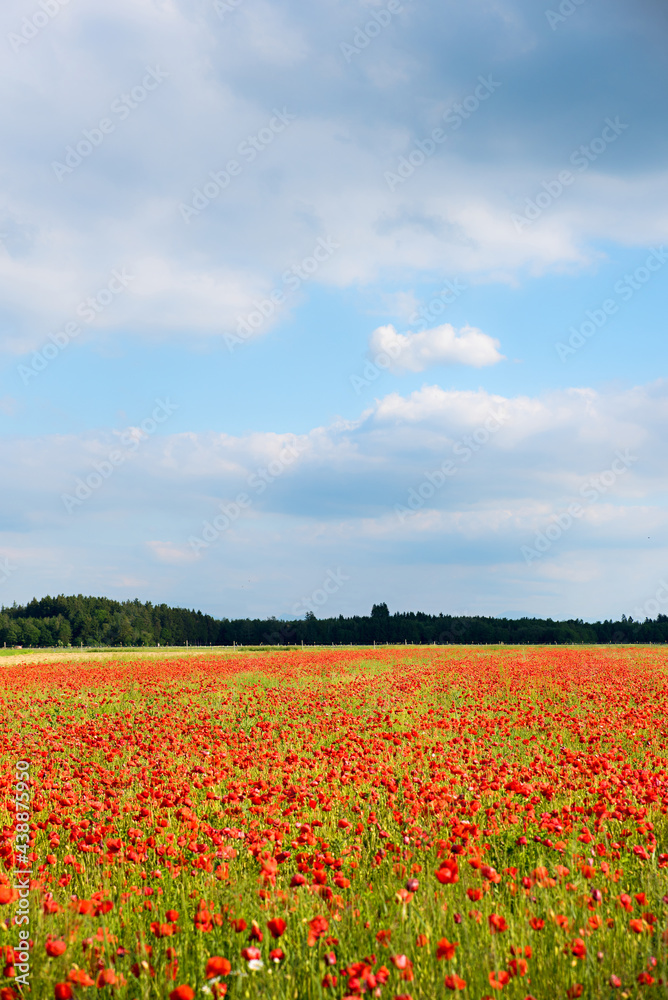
(365, 292)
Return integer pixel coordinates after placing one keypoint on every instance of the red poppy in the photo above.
(579, 948)
(184, 992)
(446, 949)
(80, 977)
(497, 980)
(276, 927)
(448, 873)
(317, 927)
(217, 966)
(454, 982)
(518, 967)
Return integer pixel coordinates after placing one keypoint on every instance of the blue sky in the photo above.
(371, 293)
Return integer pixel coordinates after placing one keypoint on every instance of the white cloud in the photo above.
(329, 497)
(171, 554)
(442, 345)
(323, 175)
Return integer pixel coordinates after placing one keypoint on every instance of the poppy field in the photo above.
(394, 823)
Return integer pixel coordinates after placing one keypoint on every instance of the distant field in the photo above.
(412, 822)
(114, 652)
(74, 653)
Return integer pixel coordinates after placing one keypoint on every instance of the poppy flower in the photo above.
(80, 977)
(317, 927)
(184, 992)
(106, 977)
(217, 966)
(497, 980)
(579, 948)
(518, 967)
(454, 982)
(144, 792)
(448, 873)
(446, 949)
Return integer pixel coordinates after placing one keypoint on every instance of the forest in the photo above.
(100, 621)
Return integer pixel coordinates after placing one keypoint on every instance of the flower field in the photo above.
(396, 823)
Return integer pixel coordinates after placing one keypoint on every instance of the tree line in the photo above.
(99, 621)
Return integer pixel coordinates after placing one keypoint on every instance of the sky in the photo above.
(314, 306)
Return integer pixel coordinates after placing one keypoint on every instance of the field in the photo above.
(395, 823)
